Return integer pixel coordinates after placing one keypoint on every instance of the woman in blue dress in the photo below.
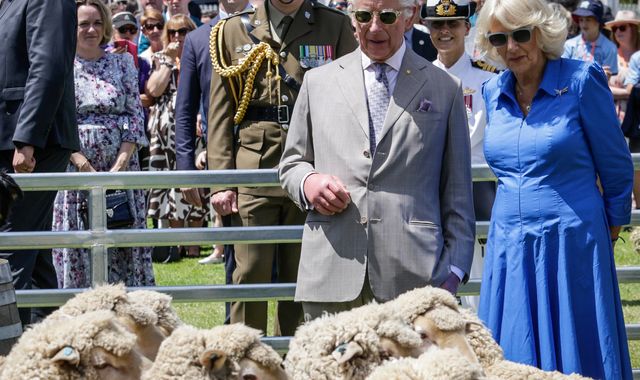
(549, 288)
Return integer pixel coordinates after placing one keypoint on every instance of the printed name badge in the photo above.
(315, 55)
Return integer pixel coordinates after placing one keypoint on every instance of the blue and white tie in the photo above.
(378, 104)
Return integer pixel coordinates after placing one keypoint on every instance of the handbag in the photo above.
(117, 210)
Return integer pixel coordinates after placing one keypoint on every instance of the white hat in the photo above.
(623, 17)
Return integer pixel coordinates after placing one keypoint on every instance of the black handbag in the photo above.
(119, 213)
(117, 209)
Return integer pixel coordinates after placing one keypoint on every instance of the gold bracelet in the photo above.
(83, 164)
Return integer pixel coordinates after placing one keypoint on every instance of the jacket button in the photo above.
(285, 127)
(283, 54)
(366, 154)
(363, 220)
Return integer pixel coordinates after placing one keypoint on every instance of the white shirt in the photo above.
(394, 63)
(472, 79)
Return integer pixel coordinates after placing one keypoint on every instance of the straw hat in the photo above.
(623, 17)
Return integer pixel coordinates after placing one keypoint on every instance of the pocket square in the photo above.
(424, 106)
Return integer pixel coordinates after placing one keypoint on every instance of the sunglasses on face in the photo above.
(622, 28)
(127, 29)
(151, 27)
(386, 16)
(439, 24)
(521, 36)
(182, 31)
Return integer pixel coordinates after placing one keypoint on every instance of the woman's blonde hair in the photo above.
(550, 27)
(105, 14)
(151, 14)
(176, 22)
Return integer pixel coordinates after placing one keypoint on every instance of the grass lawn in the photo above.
(205, 315)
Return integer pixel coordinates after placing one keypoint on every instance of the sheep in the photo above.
(349, 345)
(634, 236)
(433, 312)
(227, 352)
(491, 356)
(91, 346)
(160, 303)
(138, 316)
(434, 364)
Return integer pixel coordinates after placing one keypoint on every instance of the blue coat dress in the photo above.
(549, 288)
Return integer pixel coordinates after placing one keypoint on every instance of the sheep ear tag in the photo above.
(346, 351)
(213, 359)
(67, 354)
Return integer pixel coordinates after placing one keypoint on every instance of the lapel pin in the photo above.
(562, 91)
(307, 15)
(257, 22)
(408, 72)
(421, 42)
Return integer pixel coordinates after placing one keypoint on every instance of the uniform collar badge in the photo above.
(561, 91)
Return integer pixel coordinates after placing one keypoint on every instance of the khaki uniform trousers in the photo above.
(255, 262)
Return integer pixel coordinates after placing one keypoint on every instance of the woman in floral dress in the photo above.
(111, 126)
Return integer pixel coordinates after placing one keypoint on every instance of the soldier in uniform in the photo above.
(259, 58)
(448, 21)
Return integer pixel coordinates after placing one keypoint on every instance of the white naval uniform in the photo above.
(472, 79)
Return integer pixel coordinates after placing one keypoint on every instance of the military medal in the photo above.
(468, 99)
(315, 55)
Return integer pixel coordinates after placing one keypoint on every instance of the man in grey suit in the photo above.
(38, 128)
(385, 174)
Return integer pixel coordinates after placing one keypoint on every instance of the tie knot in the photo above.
(380, 69)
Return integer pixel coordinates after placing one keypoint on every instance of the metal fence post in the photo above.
(98, 224)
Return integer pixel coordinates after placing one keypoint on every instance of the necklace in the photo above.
(520, 95)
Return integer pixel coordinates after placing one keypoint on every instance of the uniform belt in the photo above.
(276, 114)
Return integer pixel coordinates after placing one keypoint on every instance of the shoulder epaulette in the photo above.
(482, 65)
(244, 12)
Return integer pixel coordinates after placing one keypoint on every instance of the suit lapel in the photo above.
(411, 79)
(4, 5)
(351, 83)
(301, 24)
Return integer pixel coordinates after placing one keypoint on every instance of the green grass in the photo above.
(206, 315)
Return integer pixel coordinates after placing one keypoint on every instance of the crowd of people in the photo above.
(374, 147)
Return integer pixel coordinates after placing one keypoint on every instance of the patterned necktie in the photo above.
(378, 103)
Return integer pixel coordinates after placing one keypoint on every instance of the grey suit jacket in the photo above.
(37, 48)
(411, 214)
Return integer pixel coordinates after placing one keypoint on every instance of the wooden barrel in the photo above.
(10, 325)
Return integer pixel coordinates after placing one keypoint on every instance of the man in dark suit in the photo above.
(38, 128)
(416, 36)
(192, 98)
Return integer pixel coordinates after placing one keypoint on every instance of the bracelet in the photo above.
(164, 61)
(83, 164)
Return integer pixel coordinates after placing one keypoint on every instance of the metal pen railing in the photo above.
(98, 238)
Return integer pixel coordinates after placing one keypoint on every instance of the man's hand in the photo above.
(191, 196)
(326, 193)
(23, 160)
(451, 283)
(225, 202)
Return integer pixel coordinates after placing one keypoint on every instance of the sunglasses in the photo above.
(127, 29)
(151, 27)
(181, 31)
(386, 16)
(439, 24)
(622, 28)
(521, 36)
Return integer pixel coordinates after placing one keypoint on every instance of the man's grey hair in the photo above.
(406, 5)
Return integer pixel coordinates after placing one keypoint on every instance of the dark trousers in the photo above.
(254, 262)
(229, 267)
(34, 212)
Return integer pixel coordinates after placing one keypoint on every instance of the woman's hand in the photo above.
(81, 163)
(172, 50)
(122, 160)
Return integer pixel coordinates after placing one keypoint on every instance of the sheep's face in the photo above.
(398, 339)
(432, 335)
(149, 337)
(111, 367)
(250, 370)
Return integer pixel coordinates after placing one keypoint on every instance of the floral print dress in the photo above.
(109, 113)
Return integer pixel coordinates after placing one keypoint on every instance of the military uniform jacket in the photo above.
(316, 36)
